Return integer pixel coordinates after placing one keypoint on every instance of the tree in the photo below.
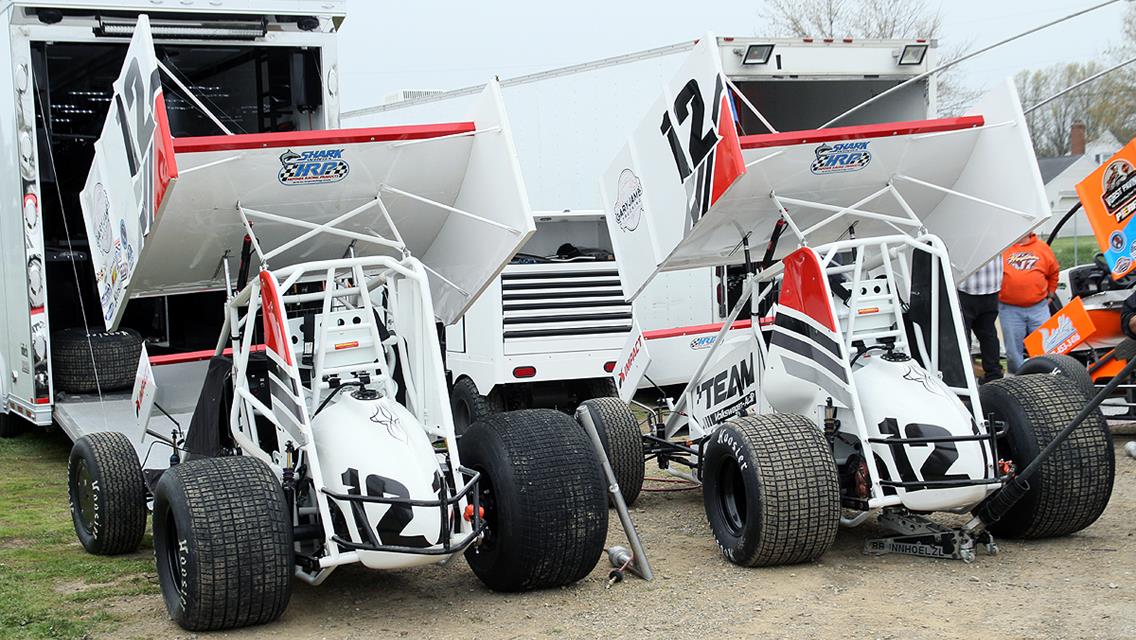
(883, 19)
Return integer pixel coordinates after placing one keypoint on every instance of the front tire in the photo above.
(107, 494)
(771, 490)
(622, 441)
(223, 543)
(1072, 487)
(544, 496)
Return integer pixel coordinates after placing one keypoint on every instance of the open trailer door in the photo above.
(687, 195)
(450, 194)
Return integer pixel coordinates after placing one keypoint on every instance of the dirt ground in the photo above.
(1083, 586)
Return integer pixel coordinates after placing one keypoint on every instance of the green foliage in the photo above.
(49, 586)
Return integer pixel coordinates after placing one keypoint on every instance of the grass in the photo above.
(49, 586)
(1084, 247)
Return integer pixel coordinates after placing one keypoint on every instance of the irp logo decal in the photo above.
(841, 157)
(313, 167)
(628, 201)
(702, 342)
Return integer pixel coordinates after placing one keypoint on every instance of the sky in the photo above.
(388, 46)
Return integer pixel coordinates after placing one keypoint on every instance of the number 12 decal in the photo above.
(688, 105)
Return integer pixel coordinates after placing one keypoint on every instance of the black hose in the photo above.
(1061, 222)
(331, 395)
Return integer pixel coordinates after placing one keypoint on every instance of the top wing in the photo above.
(973, 181)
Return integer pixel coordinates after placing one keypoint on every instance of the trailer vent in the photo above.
(562, 301)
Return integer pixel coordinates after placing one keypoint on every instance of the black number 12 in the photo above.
(688, 104)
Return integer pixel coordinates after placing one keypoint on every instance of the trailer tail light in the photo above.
(524, 372)
(807, 39)
(609, 366)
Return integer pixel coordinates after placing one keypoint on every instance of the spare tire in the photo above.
(1061, 365)
(83, 362)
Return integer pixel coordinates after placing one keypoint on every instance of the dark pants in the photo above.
(979, 314)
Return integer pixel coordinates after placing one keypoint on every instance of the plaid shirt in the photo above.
(987, 280)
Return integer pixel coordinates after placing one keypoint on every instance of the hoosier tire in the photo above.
(622, 441)
(771, 491)
(76, 356)
(107, 494)
(223, 543)
(1061, 365)
(1072, 487)
(543, 493)
(469, 405)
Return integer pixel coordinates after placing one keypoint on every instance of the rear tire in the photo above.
(1072, 487)
(622, 441)
(771, 490)
(77, 355)
(223, 543)
(107, 494)
(1061, 365)
(544, 497)
(469, 405)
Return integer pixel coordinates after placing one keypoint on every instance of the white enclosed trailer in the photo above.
(567, 121)
(262, 65)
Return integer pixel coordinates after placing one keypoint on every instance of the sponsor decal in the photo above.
(867, 310)
(727, 393)
(347, 345)
(702, 342)
(842, 157)
(627, 366)
(1116, 240)
(628, 201)
(320, 166)
(1118, 186)
(1123, 265)
(104, 235)
(1022, 260)
(1054, 340)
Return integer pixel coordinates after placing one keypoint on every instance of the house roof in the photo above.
(1053, 167)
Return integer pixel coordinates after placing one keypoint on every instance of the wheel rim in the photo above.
(170, 557)
(489, 506)
(84, 496)
(732, 497)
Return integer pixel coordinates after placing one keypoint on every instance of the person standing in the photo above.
(1029, 280)
(978, 297)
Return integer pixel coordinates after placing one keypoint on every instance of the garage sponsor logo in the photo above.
(1122, 266)
(728, 392)
(628, 201)
(322, 166)
(1119, 189)
(702, 342)
(1061, 338)
(842, 157)
(1116, 240)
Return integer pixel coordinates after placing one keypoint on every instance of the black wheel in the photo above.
(10, 426)
(1062, 365)
(469, 405)
(1073, 486)
(77, 356)
(107, 494)
(223, 543)
(544, 497)
(771, 492)
(600, 388)
(622, 441)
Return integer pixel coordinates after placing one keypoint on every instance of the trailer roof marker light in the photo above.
(609, 366)
(757, 54)
(912, 54)
(524, 372)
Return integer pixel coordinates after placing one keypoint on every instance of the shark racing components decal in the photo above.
(841, 157)
(321, 166)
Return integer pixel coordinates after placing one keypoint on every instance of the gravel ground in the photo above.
(1083, 586)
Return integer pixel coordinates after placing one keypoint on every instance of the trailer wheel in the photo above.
(600, 388)
(223, 543)
(1062, 365)
(107, 494)
(622, 441)
(77, 356)
(544, 498)
(469, 405)
(771, 490)
(10, 426)
(1073, 486)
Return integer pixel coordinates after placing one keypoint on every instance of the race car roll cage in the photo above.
(343, 280)
(662, 445)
